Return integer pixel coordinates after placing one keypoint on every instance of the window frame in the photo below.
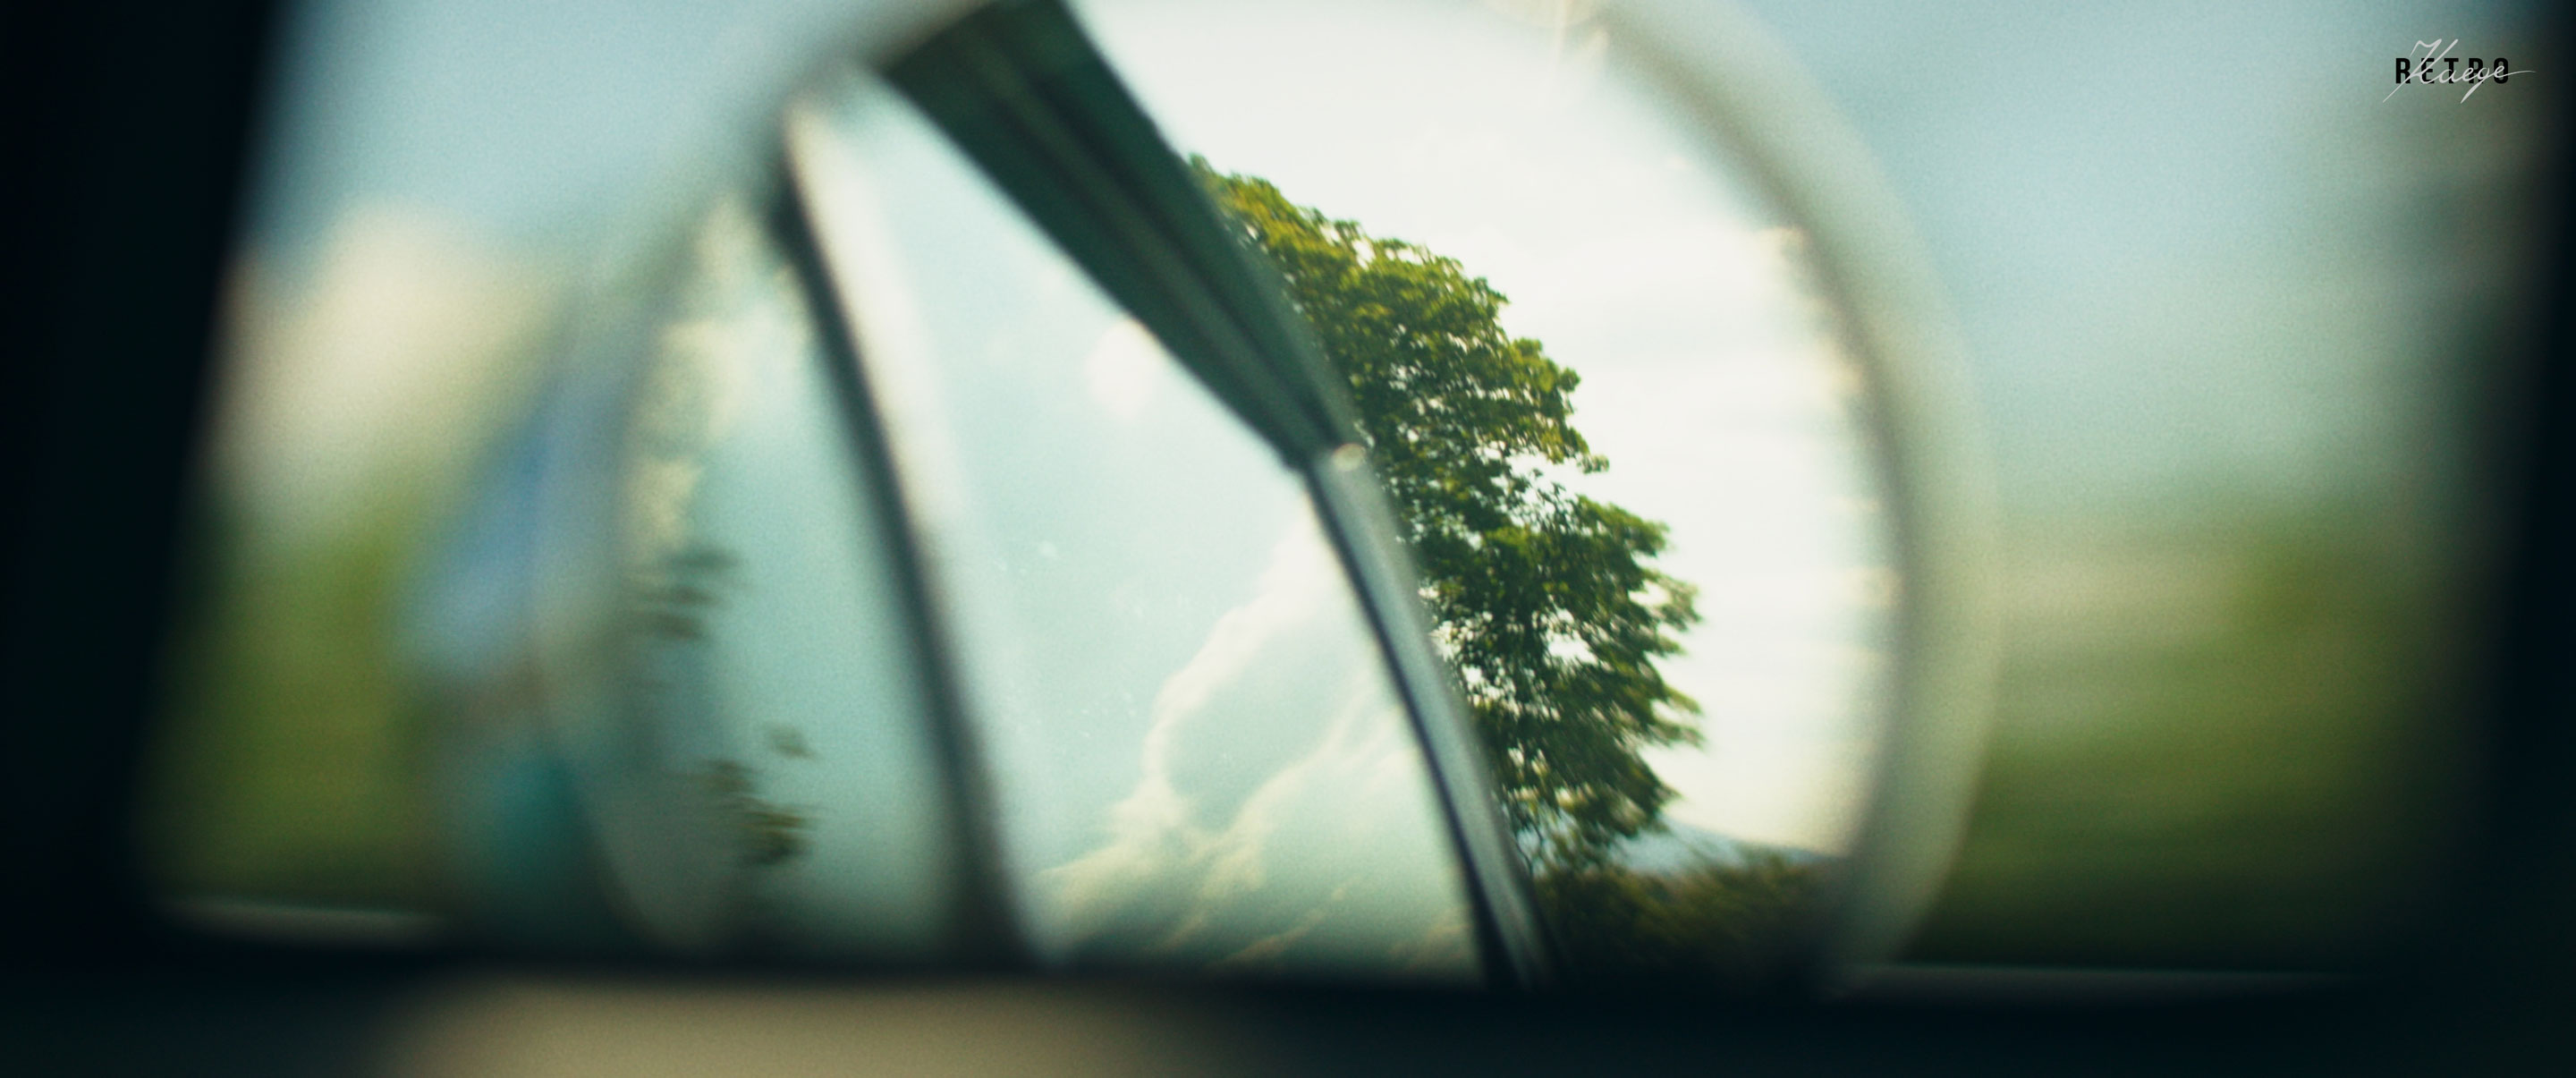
(1021, 90)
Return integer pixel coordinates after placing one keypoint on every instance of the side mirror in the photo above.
(1082, 494)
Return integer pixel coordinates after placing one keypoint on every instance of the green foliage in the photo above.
(1546, 601)
(767, 833)
(1711, 924)
(670, 602)
(285, 767)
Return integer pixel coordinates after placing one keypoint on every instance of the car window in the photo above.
(1197, 752)
(771, 656)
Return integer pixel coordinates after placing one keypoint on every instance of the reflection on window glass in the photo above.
(771, 660)
(1619, 424)
(1198, 753)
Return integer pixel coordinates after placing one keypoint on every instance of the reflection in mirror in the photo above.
(769, 652)
(1640, 490)
(1198, 756)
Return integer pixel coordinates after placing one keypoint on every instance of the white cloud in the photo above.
(745, 322)
(1283, 814)
(1799, 792)
(1123, 368)
(384, 363)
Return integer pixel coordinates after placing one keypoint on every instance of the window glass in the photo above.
(1690, 755)
(1198, 755)
(772, 661)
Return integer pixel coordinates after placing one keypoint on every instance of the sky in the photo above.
(1710, 377)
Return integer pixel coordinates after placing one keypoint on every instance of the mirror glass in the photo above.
(1465, 177)
(769, 656)
(1196, 754)
(1594, 368)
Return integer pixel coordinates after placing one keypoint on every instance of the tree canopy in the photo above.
(1545, 602)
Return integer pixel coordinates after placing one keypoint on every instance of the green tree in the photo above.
(1545, 601)
(1710, 923)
